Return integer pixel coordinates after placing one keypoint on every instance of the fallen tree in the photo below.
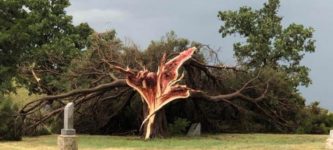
(156, 89)
(216, 92)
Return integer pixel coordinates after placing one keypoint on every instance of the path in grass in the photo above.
(221, 141)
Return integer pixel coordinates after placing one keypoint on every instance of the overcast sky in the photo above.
(144, 20)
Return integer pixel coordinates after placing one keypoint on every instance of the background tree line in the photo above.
(42, 51)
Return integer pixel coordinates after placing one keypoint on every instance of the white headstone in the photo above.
(68, 120)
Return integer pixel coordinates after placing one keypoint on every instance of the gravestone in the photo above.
(67, 139)
(68, 120)
(195, 130)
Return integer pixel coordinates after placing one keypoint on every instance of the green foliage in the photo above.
(86, 69)
(169, 44)
(10, 126)
(276, 51)
(179, 126)
(315, 120)
(37, 35)
(267, 42)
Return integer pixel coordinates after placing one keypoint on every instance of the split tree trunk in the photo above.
(156, 126)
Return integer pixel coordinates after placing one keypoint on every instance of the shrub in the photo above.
(179, 126)
(315, 120)
(10, 126)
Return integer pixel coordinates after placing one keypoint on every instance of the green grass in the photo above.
(220, 141)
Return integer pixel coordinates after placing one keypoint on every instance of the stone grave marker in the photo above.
(67, 139)
(68, 120)
(195, 130)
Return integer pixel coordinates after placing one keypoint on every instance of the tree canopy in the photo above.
(268, 42)
(37, 36)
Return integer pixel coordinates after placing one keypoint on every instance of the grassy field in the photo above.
(221, 141)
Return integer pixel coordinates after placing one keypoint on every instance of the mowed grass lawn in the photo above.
(220, 141)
